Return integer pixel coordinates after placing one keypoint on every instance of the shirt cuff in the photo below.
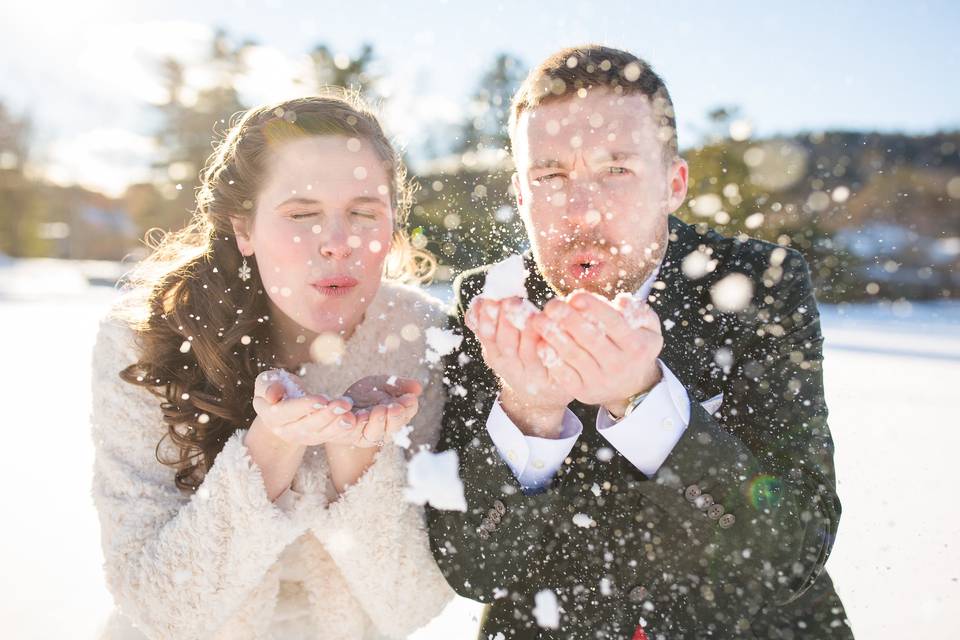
(534, 461)
(648, 435)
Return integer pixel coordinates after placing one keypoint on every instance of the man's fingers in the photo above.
(638, 314)
(507, 336)
(568, 350)
(604, 314)
(530, 359)
(589, 333)
(559, 372)
(482, 317)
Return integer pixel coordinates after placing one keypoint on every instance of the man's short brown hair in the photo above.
(568, 71)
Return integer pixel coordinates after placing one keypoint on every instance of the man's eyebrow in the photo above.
(615, 155)
(545, 164)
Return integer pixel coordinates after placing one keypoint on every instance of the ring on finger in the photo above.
(379, 442)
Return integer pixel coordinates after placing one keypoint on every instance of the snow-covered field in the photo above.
(892, 373)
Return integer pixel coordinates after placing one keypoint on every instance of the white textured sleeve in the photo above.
(379, 542)
(177, 566)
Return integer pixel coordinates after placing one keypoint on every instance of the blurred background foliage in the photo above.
(877, 214)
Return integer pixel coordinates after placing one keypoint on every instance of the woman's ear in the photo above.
(242, 233)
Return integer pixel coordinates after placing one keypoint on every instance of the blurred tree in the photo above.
(489, 107)
(21, 211)
(465, 208)
(191, 116)
(343, 70)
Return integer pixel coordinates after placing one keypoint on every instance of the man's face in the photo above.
(594, 190)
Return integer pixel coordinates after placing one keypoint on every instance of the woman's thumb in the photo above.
(274, 393)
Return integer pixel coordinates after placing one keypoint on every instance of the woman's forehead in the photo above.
(340, 161)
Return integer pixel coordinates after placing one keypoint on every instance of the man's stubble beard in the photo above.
(637, 271)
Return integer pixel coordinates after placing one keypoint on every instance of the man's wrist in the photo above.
(530, 419)
(618, 409)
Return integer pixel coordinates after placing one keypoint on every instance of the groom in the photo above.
(646, 454)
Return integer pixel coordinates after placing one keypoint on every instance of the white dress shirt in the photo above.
(645, 437)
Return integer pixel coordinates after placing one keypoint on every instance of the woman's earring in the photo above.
(244, 270)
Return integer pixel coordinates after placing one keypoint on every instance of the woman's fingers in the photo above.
(373, 431)
(290, 384)
(402, 386)
(323, 425)
(274, 393)
(400, 414)
(287, 411)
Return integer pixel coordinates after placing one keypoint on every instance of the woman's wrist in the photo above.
(348, 463)
(277, 459)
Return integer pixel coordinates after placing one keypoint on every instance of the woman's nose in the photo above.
(335, 242)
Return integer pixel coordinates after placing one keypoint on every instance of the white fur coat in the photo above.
(228, 563)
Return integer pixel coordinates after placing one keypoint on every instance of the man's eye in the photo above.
(617, 170)
(547, 178)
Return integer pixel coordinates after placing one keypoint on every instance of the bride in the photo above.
(248, 388)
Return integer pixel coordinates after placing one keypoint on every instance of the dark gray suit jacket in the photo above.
(728, 539)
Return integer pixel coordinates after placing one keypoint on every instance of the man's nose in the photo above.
(583, 202)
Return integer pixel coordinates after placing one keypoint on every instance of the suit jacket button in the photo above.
(703, 502)
(693, 492)
(715, 511)
(726, 521)
(484, 534)
(637, 594)
(494, 516)
(499, 506)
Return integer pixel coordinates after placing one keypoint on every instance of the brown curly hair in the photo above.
(191, 312)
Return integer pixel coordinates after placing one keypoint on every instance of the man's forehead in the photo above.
(598, 110)
(604, 124)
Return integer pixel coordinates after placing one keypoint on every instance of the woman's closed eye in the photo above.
(617, 171)
(303, 215)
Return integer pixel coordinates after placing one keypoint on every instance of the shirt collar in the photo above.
(644, 291)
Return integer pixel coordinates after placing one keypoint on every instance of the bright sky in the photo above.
(83, 70)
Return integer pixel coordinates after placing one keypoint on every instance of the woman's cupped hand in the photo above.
(370, 410)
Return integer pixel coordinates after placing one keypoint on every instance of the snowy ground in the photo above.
(892, 379)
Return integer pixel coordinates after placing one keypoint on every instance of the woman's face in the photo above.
(321, 231)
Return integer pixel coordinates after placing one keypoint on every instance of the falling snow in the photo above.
(547, 609)
(506, 279)
(402, 437)
(440, 342)
(435, 478)
(732, 293)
